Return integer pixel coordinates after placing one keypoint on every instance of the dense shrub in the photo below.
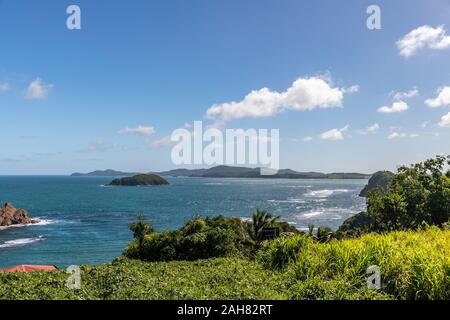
(417, 196)
(199, 238)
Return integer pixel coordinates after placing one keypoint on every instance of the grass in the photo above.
(220, 278)
(414, 265)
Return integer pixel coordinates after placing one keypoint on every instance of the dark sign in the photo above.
(270, 233)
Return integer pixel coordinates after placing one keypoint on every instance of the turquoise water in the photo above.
(84, 222)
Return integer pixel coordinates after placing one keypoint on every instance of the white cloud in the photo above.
(396, 134)
(371, 129)
(304, 94)
(4, 87)
(307, 139)
(163, 142)
(398, 96)
(38, 90)
(445, 121)
(351, 89)
(423, 37)
(140, 131)
(397, 106)
(334, 134)
(442, 100)
(374, 128)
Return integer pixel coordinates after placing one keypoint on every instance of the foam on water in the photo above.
(20, 242)
(40, 222)
(325, 193)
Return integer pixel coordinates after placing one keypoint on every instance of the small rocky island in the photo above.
(140, 180)
(12, 216)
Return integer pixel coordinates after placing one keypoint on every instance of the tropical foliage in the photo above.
(414, 265)
(418, 196)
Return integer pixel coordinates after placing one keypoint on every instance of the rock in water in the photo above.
(140, 180)
(11, 216)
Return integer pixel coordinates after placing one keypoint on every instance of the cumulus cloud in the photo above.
(334, 134)
(442, 99)
(38, 90)
(307, 139)
(445, 121)
(397, 106)
(140, 131)
(423, 37)
(304, 94)
(4, 87)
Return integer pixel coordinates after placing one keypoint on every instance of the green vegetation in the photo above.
(202, 238)
(223, 278)
(140, 180)
(417, 196)
(414, 265)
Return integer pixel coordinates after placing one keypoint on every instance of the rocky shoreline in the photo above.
(9, 215)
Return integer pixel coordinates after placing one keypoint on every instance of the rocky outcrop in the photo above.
(140, 180)
(11, 216)
(381, 179)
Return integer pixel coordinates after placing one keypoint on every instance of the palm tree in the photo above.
(140, 229)
(260, 220)
(324, 234)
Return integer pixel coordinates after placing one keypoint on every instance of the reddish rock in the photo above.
(11, 216)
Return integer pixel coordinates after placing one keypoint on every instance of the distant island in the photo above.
(104, 173)
(231, 172)
(140, 180)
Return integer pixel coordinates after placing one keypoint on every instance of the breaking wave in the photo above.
(20, 242)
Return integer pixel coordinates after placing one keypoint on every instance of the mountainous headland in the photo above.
(232, 172)
(104, 173)
(380, 179)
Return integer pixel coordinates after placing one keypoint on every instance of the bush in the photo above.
(199, 238)
(417, 196)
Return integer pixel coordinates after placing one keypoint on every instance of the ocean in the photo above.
(82, 221)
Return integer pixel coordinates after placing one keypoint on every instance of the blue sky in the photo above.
(68, 97)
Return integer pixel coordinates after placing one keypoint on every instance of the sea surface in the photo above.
(82, 221)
